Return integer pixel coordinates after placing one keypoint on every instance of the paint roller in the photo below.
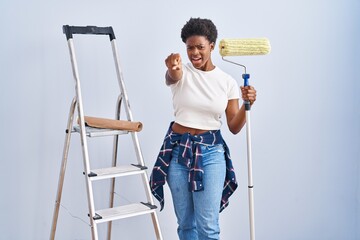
(243, 47)
(246, 47)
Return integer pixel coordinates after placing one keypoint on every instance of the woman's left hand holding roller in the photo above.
(248, 93)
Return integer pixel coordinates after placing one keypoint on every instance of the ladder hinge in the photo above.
(140, 166)
(149, 205)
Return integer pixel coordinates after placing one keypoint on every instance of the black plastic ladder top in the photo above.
(70, 30)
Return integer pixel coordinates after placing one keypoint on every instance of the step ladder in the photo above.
(112, 213)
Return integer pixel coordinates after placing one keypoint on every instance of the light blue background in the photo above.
(305, 123)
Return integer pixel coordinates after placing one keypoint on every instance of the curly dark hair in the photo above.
(199, 27)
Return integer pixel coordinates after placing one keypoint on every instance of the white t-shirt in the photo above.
(201, 97)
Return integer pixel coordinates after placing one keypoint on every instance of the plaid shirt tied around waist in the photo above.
(191, 157)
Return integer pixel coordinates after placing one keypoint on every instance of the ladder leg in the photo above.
(114, 162)
(90, 194)
(83, 136)
(145, 179)
(112, 186)
(63, 168)
(156, 224)
(111, 205)
(154, 217)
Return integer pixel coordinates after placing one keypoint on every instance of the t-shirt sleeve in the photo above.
(233, 89)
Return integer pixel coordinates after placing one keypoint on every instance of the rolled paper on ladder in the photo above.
(112, 124)
(244, 47)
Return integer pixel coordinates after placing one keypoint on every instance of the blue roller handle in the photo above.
(246, 77)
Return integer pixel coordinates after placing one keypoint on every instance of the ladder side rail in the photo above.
(86, 161)
(126, 99)
(114, 162)
(135, 137)
(156, 225)
(120, 78)
(154, 217)
(63, 169)
(130, 118)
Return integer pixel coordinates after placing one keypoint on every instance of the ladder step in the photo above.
(119, 171)
(99, 132)
(125, 211)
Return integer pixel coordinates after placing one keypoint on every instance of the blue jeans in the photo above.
(198, 212)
